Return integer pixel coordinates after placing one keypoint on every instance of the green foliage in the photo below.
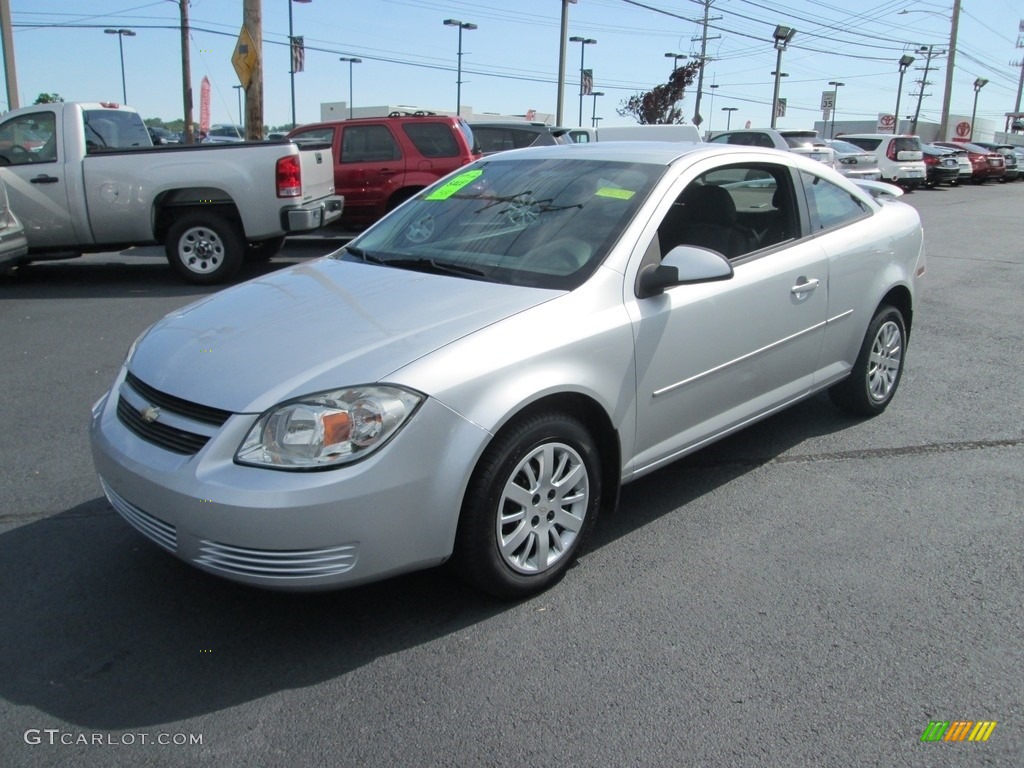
(658, 105)
(48, 98)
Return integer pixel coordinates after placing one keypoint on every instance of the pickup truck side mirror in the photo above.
(683, 265)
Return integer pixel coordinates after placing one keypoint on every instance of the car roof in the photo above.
(652, 152)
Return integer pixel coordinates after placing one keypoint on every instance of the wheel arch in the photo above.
(597, 422)
(174, 203)
(899, 297)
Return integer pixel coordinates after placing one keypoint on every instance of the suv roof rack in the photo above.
(417, 113)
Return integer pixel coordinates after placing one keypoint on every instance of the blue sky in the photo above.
(510, 61)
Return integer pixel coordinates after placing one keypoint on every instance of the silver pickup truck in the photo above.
(86, 178)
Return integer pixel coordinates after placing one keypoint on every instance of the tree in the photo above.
(658, 105)
(48, 98)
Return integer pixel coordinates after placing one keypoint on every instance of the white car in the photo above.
(474, 376)
(799, 142)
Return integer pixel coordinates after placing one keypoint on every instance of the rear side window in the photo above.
(830, 205)
(497, 139)
(114, 129)
(869, 144)
(314, 136)
(432, 139)
(368, 144)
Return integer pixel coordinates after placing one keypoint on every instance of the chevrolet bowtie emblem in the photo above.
(149, 414)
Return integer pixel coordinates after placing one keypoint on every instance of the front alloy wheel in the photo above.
(530, 505)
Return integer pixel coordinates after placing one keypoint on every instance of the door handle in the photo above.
(805, 287)
(44, 179)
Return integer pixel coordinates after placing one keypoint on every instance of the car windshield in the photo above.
(539, 222)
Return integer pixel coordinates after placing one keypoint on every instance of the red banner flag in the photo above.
(204, 106)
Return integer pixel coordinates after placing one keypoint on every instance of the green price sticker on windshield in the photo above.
(453, 186)
(618, 194)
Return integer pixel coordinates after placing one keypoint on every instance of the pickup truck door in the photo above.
(36, 181)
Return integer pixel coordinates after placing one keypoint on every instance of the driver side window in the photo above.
(29, 139)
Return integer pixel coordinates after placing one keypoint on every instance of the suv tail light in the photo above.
(289, 177)
(890, 150)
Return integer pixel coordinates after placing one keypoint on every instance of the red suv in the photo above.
(380, 162)
(986, 163)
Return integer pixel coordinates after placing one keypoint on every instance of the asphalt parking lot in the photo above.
(813, 591)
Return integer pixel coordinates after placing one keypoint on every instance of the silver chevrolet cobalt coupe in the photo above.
(473, 378)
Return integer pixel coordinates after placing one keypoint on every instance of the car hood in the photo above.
(312, 327)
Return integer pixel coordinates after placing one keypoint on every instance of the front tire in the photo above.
(531, 503)
(876, 374)
(204, 248)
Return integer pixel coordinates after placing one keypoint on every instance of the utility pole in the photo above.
(947, 91)
(1020, 84)
(7, 38)
(697, 119)
(929, 52)
(563, 36)
(252, 19)
(186, 72)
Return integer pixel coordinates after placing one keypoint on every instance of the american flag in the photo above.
(298, 54)
(587, 85)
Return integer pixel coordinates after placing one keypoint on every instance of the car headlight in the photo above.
(327, 429)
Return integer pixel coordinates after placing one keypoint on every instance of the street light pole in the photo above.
(713, 88)
(458, 83)
(241, 117)
(782, 35)
(979, 83)
(593, 116)
(121, 35)
(905, 61)
(584, 42)
(675, 59)
(835, 101)
(350, 61)
(728, 120)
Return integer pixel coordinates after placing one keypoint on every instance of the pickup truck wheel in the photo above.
(204, 248)
(264, 250)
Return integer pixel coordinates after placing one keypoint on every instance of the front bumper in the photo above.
(395, 511)
(313, 215)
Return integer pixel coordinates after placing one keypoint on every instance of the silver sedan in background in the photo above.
(473, 377)
(854, 162)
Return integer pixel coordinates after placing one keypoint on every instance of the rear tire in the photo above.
(876, 374)
(530, 506)
(264, 250)
(204, 248)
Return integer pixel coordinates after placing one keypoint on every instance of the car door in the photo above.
(371, 167)
(37, 184)
(710, 357)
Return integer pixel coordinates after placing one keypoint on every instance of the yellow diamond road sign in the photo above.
(244, 58)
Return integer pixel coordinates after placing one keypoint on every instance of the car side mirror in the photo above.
(683, 265)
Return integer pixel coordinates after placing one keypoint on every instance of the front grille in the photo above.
(168, 438)
(176, 405)
(277, 564)
(151, 527)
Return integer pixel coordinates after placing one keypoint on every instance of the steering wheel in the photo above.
(16, 154)
(420, 230)
(522, 210)
(563, 255)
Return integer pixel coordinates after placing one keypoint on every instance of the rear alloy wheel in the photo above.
(531, 503)
(876, 374)
(205, 249)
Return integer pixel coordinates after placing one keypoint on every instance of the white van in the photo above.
(649, 133)
(636, 133)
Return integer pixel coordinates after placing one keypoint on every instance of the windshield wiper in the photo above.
(369, 258)
(430, 265)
